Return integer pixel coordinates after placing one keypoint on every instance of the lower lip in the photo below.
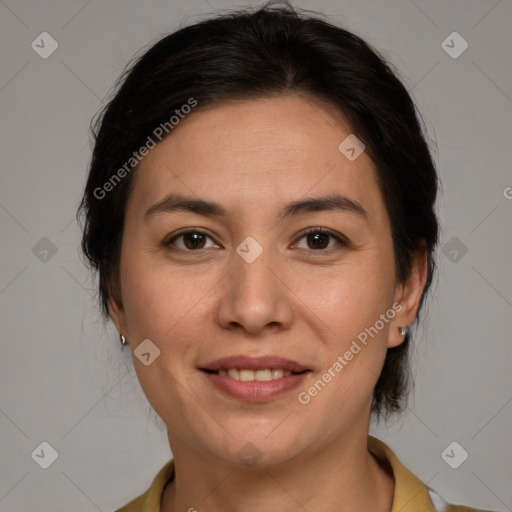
(255, 391)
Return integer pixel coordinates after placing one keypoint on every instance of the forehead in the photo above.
(249, 153)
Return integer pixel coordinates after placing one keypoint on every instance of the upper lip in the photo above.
(254, 363)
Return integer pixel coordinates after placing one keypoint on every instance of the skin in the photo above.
(296, 301)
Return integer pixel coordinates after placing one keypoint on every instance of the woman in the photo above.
(260, 209)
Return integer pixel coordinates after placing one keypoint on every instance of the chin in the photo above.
(263, 445)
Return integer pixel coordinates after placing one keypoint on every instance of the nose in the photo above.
(255, 298)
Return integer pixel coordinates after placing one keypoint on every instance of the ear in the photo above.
(408, 295)
(117, 313)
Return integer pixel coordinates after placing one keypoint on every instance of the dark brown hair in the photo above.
(272, 51)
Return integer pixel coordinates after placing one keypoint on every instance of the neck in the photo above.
(344, 477)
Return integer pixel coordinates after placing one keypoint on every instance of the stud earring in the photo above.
(122, 338)
(403, 331)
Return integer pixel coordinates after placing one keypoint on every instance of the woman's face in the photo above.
(250, 235)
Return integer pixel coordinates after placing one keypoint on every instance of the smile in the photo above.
(248, 375)
(254, 386)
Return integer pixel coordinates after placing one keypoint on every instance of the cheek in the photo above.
(164, 303)
(353, 315)
(347, 307)
(350, 298)
(165, 307)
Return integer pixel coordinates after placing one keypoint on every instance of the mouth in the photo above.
(256, 379)
(248, 375)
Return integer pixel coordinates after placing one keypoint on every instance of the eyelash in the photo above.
(339, 239)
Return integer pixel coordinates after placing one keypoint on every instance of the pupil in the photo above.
(318, 240)
(193, 240)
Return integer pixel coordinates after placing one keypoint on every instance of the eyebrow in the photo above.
(177, 202)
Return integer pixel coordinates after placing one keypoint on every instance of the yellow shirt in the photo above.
(410, 494)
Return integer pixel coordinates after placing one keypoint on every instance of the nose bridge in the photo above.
(254, 297)
(254, 287)
(253, 280)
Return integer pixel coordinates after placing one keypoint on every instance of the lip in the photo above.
(255, 391)
(254, 363)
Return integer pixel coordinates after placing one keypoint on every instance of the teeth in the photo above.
(263, 375)
(246, 375)
(277, 374)
(234, 373)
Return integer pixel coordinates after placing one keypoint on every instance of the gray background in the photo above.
(63, 376)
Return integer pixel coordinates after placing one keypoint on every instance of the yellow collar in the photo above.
(411, 495)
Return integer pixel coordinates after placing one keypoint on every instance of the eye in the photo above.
(317, 239)
(191, 240)
(314, 239)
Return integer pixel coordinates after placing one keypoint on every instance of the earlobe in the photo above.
(397, 336)
(408, 295)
